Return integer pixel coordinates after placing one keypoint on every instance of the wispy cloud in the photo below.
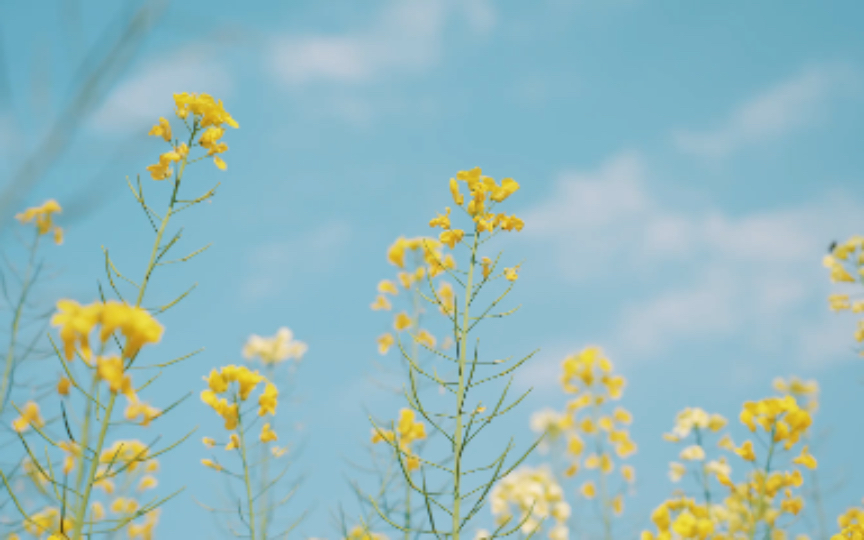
(748, 276)
(405, 37)
(137, 101)
(272, 264)
(791, 105)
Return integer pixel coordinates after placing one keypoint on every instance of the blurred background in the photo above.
(683, 170)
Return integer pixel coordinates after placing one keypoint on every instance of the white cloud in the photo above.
(405, 37)
(749, 276)
(791, 105)
(147, 95)
(273, 263)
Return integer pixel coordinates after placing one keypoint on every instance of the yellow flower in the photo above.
(29, 415)
(442, 220)
(509, 223)
(212, 464)
(693, 453)
(458, 198)
(233, 442)
(267, 400)
(63, 386)
(806, 459)
(677, 471)
(98, 511)
(409, 429)
(208, 442)
(42, 215)
(588, 491)
(162, 129)
(622, 415)
(618, 504)
(385, 341)
(508, 187)
(138, 408)
(147, 482)
(405, 279)
(112, 371)
(388, 287)
(75, 322)
(510, 274)
(402, 322)
(425, 338)
(838, 273)
(746, 451)
(267, 434)
(486, 263)
(396, 253)
(838, 302)
(452, 237)
(275, 349)
(381, 302)
(628, 473)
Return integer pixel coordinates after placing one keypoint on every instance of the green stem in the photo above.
(81, 511)
(705, 487)
(460, 396)
(246, 472)
(16, 321)
(604, 495)
(265, 472)
(415, 351)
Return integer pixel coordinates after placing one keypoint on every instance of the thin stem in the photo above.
(460, 394)
(246, 472)
(81, 511)
(705, 488)
(265, 466)
(16, 321)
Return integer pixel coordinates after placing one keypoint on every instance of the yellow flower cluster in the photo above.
(220, 382)
(208, 115)
(416, 258)
(42, 216)
(48, 521)
(756, 501)
(536, 497)
(589, 374)
(484, 192)
(691, 520)
(806, 391)
(846, 264)
(408, 430)
(782, 418)
(698, 423)
(851, 525)
(124, 467)
(275, 349)
(136, 325)
(76, 322)
(594, 430)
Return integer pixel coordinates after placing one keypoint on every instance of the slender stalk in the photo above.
(415, 351)
(265, 466)
(705, 488)
(81, 510)
(460, 396)
(16, 322)
(605, 503)
(246, 472)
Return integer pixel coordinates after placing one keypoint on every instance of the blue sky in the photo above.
(683, 169)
